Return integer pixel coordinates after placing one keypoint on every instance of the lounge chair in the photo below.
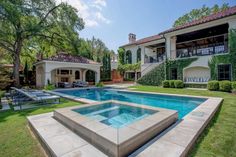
(21, 96)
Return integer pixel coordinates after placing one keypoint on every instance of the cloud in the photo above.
(91, 23)
(91, 12)
(101, 2)
(99, 16)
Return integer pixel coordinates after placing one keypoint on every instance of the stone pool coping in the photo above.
(113, 141)
(181, 137)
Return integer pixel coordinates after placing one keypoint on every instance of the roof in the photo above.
(65, 57)
(219, 15)
(144, 40)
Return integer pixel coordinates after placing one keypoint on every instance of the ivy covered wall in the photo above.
(157, 75)
(225, 59)
(180, 64)
(154, 77)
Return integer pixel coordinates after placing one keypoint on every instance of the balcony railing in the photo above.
(210, 49)
(154, 58)
(213, 45)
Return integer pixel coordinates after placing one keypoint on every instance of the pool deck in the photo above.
(174, 142)
(117, 141)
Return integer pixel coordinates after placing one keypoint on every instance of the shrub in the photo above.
(179, 84)
(213, 85)
(225, 86)
(99, 84)
(233, 86)
(49, 87)
(165, 84)
(172, 83)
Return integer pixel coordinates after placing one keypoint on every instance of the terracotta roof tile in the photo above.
(65, 57)
(144, 40)
(229, 12)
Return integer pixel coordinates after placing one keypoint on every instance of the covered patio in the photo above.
(65, 68)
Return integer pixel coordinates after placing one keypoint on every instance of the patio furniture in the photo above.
(23, 96)
(80, 84)
(63, 85)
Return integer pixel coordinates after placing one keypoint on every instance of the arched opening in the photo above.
(139, 55)
(128, 57)
(197, 74)
(90, 76)
(77, 75)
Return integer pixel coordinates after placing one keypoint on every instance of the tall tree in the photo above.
(4, 72)
(24, 23)
(196, 14)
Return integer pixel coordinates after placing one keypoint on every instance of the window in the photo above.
(173, 74)
(139, 55)
(64, 72)
(128, 57)
(77, 75)
(224, 72)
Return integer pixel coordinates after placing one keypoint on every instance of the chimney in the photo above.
(132, 38)
(39, 56)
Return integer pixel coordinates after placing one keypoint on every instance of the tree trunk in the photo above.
(16, 63)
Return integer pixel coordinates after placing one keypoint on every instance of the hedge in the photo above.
(213, 85)
(172, 83)
(233, 85)
(179, 84)
(225, 86)
(165, 84)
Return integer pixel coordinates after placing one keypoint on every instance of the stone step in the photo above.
(58, 140)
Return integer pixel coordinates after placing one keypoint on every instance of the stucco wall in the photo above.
(198, 72)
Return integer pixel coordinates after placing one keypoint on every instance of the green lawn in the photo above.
(15, 137)
(219, 138)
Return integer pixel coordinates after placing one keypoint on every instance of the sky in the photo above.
(112, 20)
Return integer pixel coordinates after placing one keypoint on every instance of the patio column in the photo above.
(97, 76)
(83, 72)
(47, 78)
(173, 48)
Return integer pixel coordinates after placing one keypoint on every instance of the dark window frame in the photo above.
(139, 55)
(77, 75)
(128, 57)
(229, 73)
(171, 73)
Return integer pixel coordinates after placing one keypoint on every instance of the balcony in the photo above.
(202, 47)
(203, 50)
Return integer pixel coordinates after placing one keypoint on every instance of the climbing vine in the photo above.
(154, 77)
(226, 58)
(180, 64)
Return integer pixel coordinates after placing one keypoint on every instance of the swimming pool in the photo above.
(114, 114)
(183, 105)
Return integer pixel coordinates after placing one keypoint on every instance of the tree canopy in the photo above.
(196, 14)
(28, 26)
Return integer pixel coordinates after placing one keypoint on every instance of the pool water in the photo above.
(183, 105)
(115, 115)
